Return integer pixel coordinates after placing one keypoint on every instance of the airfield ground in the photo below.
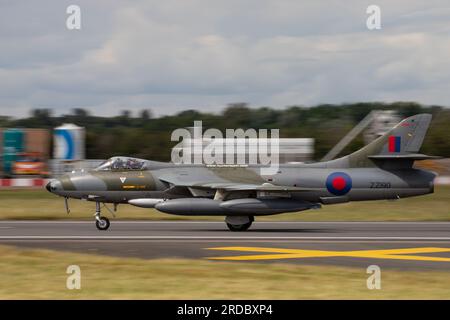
(41, 274)
(39, 204)
(153, 268)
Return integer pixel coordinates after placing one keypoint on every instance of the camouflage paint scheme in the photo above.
(374, 172)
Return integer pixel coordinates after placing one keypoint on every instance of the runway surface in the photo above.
(412, 245)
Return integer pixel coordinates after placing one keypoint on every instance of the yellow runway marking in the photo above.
(280, 253)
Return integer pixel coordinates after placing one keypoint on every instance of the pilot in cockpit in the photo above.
(118, 163)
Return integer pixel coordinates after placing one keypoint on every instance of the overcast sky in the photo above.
(169, 55)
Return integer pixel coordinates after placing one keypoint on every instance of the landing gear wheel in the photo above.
(239, 227)
(102, 223)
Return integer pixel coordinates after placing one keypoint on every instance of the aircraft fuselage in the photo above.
(325, 185)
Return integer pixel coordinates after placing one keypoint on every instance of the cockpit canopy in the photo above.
(122, 164)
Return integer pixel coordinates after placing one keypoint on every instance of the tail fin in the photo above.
(399, 147)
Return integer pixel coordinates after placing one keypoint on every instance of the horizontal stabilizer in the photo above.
(411, 156)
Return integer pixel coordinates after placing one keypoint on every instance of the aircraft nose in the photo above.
(53, 186)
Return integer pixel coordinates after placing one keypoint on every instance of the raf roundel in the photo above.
(339, 183)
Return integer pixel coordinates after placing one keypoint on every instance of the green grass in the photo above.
(41, 274)
(39, 204)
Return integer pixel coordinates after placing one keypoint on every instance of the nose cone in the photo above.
(54, 186)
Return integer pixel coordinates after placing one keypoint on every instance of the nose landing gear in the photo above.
(102, 223)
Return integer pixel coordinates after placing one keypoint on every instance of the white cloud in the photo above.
(172, 55)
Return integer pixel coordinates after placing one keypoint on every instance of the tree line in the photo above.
(142, 135)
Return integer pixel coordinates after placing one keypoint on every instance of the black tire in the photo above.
(102, 224)
(239, 227)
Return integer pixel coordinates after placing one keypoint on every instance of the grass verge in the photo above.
(41, 274)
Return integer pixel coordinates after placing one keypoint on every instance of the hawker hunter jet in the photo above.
(381, 170)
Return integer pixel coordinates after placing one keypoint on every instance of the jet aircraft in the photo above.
(383, 169)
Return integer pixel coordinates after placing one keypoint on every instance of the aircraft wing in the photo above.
(177, 181)
(256, 187)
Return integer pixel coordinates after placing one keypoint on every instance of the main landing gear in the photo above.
(239, 223)
(102, 223)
